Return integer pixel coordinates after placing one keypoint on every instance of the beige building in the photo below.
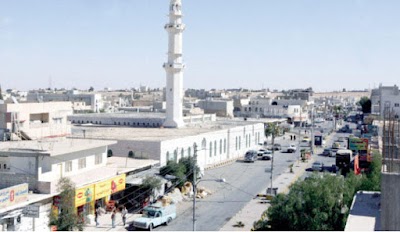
(29, 121)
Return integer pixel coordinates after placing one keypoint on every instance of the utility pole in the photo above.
(312, 130)
(272, 159)
(194, 186)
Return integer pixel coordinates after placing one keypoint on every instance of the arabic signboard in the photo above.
(13, 195)
(105, 188)
(32, 211)
(358, 144)
(84, 195)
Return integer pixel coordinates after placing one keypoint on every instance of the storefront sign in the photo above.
(84, 195)
(32, 211)
(13, 195)
(108, 187)
(358, 144)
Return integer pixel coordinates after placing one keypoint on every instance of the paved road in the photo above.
(243, 182)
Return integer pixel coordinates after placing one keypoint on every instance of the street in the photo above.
(243, 182)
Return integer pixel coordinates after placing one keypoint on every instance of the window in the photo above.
(215, 148)
(182, 153)
(189, 151)
(220, 146)
(240, 141)
(82, 163)
(396, 104)
(236, 144)
(176, 156)
(168, 156)
(68, 166)
(224, 145)
(210, 149)
(98, 159)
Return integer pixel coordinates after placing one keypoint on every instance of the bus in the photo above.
(343, 158)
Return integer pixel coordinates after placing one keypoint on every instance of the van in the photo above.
(250, 156)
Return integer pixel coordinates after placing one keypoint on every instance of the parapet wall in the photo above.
(390, 201)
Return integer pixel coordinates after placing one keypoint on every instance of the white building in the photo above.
(383, 97)
(222, 108)
(34, 120)
(217, 141)
(38, 165)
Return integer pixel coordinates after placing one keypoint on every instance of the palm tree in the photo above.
(272, 130)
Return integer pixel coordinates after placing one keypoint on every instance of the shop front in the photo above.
(88, 197)
(11, 220)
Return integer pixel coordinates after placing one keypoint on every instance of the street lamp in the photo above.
(222, 180)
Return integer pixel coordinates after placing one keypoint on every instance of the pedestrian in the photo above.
(123, 214)
(291, 137)
(294, 137)
(97, 213)
(113, 218)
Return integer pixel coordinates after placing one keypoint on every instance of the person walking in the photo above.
(96, 215)
(124, 211)
(113, 218)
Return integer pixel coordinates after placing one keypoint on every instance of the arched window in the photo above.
(176, 155)
(224, 145)
(220, 146)
(189, 151)
(236, 144)
(240, 141)
(182, 153)
(210, 149)
(215, 148)
(168, 156)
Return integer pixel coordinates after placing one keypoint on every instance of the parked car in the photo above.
(261, 151)
(276, 147)
(267, 155)
(250, 156)
(317, 166)
(292, 148)
(155, 215)
(327, 152)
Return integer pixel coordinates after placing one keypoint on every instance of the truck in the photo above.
(343, 158)
(155, 215)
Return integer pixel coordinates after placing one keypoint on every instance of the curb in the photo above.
(222, 163)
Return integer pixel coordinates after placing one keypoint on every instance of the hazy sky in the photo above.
(326, 44)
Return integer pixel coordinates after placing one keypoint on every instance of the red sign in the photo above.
(80, 195)
(12, 195)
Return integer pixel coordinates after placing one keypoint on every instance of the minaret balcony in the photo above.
(174, 27)
(174, 66)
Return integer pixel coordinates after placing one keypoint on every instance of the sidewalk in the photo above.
(105, 222)
(254, 209)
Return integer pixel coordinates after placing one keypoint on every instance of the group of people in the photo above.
(98, 211)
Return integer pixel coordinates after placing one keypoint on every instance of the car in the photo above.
(341, 139)
(292, 148)
(317, 166)
(276, 147)
(327, 152)
(261, 151)
(267, 155)
(250, 156)
(305, 143)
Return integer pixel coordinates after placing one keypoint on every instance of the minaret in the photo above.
(174, 66)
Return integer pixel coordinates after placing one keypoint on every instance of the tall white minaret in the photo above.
(174, 66)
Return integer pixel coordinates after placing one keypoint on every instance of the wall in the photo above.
(8, 179)
(390, 198)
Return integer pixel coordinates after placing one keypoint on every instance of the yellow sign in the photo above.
(84, 195)
(13, 195)
(102, 189)
(118, 183)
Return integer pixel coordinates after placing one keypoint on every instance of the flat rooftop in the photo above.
(51, 146)
(122, 115)
(157, 134)
(365, 212)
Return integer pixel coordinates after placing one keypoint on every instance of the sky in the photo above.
(279, 44)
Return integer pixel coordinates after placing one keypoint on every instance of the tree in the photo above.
(313, 204)
(151, 183)
(91, 89)
(365, 104)
(1, 94)
(272, 130)
(67, 219)
(182, 170)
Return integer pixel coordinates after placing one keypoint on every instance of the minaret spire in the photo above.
(174, 66)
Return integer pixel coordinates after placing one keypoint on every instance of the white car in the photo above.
(292, 148)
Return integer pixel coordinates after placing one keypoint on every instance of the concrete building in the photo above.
(222, 108)
(217, 141)
(82, 102)
(385, 96)
(174, 66)
(34, 120)
(365, 212)
(36, 167)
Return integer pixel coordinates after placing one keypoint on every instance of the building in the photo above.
(222, 108)
(35, 167)
(385, 96)
(34, 120)
(365, 213)
(216, 141)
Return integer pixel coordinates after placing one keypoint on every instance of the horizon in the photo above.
(274, 44)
